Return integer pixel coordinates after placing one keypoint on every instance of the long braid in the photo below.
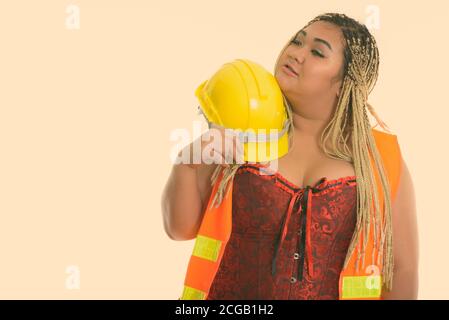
(350, 125)
(361, 57)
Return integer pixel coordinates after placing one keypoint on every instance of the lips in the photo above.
(292, 69)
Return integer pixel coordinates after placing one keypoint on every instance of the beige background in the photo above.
(86, 117)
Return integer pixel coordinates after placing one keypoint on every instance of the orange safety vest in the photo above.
(355, 282)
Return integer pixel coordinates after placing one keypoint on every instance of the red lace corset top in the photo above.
(286, 242)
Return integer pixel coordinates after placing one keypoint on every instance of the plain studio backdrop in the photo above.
(93, 91)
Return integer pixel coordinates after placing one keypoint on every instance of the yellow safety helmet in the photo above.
(243, 96)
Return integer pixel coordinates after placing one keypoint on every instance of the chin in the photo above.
(284, 83)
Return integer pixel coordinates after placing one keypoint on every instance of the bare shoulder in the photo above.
(405, 239)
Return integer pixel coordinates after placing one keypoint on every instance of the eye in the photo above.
(315, 52)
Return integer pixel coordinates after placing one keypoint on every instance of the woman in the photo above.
(325, 72)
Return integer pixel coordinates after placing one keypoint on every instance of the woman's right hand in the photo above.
(221, 146)
(187, 191)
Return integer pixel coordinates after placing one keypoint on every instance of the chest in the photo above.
(306, 165)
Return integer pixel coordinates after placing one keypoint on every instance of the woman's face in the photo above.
(316, 54)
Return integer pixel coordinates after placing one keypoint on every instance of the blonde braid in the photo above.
(350, 124)
(361, 73)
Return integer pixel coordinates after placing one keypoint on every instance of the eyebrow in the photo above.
(317, 39)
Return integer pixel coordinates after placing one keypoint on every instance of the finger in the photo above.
(219, 159)
(237, 154)
(240, 151)
(229, 151)
(232, 147)
(233, 150)
(238, 141)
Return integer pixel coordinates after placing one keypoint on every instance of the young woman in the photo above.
(294, 231)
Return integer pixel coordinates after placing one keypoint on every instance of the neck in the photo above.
(311, 117)
(308, 127)
(309, 122)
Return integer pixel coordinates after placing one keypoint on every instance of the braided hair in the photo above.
(350, 124)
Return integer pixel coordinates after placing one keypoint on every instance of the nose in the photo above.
(296, 55)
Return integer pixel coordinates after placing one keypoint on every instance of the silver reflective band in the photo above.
(246, 137)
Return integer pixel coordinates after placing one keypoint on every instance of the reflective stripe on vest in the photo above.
(361, 287)
(190, 293)
(357, 280)
(207, 248)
